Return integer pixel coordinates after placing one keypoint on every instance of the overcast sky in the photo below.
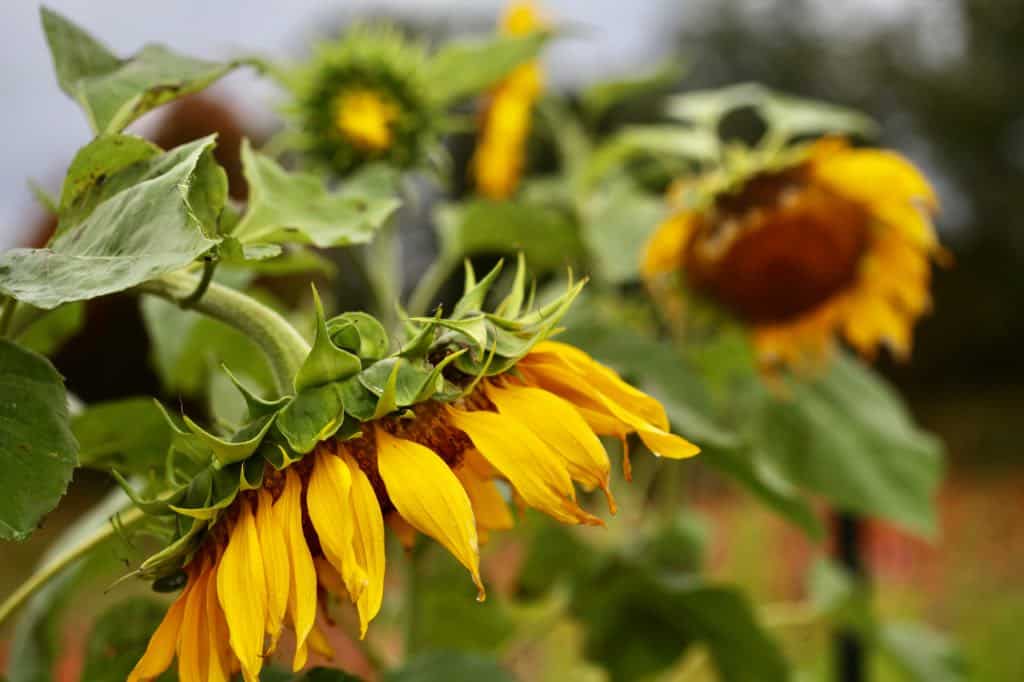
(42, 128)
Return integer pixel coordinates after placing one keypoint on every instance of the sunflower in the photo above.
(452, 432)
(363, 98)
(500, 153)
(832, 240)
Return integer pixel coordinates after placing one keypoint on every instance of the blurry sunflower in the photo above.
(364, 97)
(826, 240)
(438, 437)
(505, 124)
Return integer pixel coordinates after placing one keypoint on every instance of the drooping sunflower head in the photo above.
(471, 412)
(364, 97)
(505, 120)
(820, 241)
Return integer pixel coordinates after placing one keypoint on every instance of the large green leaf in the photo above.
(618, 221)
(450, 666)
(157, 225)
(113, 92)
(297, 207)
(37, 449)
(465, 67)
(848, 437)
(547, 237)
(131, 436)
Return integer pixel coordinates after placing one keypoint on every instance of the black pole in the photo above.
(849, 648)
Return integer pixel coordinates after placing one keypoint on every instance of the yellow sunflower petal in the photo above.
(160, 650)
(327, 499)
(489, 505)
(302, 593)
(275, 567)
(539, 477)
(194, 641)
(662, 443)
(242, 590)
(870, 175)
(220, 663)
(367, 541)
(319, 643)
(427, 495)
(561, 427)
(605, 380)
(664, 251)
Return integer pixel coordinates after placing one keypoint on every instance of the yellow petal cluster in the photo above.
(861, 217)
(448, 472)
(501, 149)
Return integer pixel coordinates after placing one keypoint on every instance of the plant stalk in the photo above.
(283, 346)
(40, 578)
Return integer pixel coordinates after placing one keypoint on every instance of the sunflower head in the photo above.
(505, 120)
(364, 97)
(437, 433)
(804, 244)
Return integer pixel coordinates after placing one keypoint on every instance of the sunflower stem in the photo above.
(283, 346)
(53, 568)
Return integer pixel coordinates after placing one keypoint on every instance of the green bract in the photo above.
(418, 86)
(353, 374)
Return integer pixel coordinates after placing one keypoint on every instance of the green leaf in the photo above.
(619, 220)
(641, 620)
(315, 414)
(296, 207)
(599, 99)
(465, 67)
(119, 638)
(51, 329)
(687, 144)
(129, 435)
(450, 666)
(849, 437)
(547, 237)
(38, 452)
(922, 654)
(113, 92)
(360, 333)
(100, 170)
(139, 233)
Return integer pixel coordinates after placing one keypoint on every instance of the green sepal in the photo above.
(421, 333)
(257, 406)
(512, 304)
(326, 362)
(360, 402)
(279, 455)
(435, 385)
(172, 557)
(359, 333)
(251, 474)
(313, 415)
(238, 446)
(387, 397)
(183, 440)
(472, 328)
(220, 487)
(160, 505)
(475, 292)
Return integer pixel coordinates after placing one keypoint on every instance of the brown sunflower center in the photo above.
(778, 248)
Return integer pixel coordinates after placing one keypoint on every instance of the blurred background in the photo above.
(941, 76)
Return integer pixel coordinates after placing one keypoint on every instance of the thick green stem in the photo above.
(126, 519)
(425, 293)
(283, 345)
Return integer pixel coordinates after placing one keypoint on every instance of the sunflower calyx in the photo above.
(350, 377)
